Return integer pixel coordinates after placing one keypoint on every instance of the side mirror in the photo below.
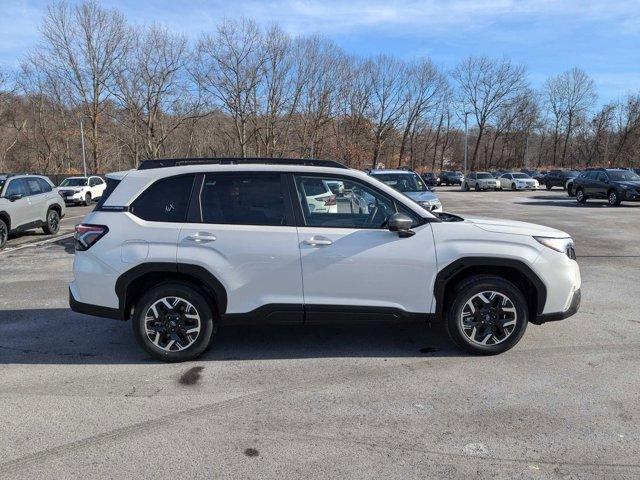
(14, 197)
(401, 223)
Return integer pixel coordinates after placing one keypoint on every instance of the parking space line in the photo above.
(37, 244)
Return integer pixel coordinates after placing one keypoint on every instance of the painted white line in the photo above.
(37, 244)
(77, 216)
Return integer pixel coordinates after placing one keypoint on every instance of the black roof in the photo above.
(176, 162)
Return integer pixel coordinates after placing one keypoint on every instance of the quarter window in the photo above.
(166, 200)
(243, 199)
(354, 206)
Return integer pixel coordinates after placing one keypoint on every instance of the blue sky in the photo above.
(603, 38)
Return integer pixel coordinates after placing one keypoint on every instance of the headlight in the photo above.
(562, 245)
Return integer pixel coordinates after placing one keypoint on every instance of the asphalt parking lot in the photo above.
(80, 399)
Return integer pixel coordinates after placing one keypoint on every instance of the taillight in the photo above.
(86, 235)
(330, 201)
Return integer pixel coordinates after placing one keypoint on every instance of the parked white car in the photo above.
(179, 250)
(481, 181)
(28, 202)
(412, 185)
(82, 190)
(517, 181)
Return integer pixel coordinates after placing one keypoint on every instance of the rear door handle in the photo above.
(317, 241)
(202, 237)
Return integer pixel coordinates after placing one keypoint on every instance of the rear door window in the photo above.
(166, 200)
(33, 186)
(44, 185)
(243, 199)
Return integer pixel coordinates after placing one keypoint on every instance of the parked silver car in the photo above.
(28, 202)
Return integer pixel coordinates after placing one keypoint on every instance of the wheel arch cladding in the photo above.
(514, 271)
(134, 282)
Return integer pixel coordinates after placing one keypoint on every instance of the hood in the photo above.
(426, 196)
(516, 228)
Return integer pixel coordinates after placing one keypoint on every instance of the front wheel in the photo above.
(488, 315)
(570, 190)
(477, 187)
(87, 199)
(548, 186)
(4, 234)
(614, 198)
(173, 322)
(52, 224)
(513, 186)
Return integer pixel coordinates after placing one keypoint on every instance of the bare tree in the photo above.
(484, 86)
(83, 45)
(230, 65)
(154, 90)
(388, 79)
(570, 95)
(425, 88)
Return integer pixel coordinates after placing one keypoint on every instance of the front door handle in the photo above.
(317, 241)
(202, 237)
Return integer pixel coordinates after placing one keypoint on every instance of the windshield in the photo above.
(74, 182)
(484, 175)
(623, 176)
(403, 182)
(521, 175)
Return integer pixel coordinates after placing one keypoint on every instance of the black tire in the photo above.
(52, 224)
(87, 199)
(548, 186)
(197, 299)
(473, 286)
(477, 187)
(580, 195)
(613, 198)
(4, 234)
(513, 186)
(570, 191)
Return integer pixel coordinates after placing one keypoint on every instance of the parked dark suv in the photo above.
(451, 178)
(613, 184)
(558, 178)
(431, 179)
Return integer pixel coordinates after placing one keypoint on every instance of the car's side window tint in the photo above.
(354, 205)
(16, 187)
(243, 199)
(34, 187)
(602, 177)
(166, 200)
(44, 185)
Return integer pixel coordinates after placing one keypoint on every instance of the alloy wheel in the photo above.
(613, 198)
(488, 318)
(53, 221)
(172, 324)
(4, 234)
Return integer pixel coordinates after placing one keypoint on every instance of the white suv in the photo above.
(82, 190)
(28, 202)
(180, 247)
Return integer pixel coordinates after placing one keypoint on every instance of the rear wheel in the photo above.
(513, 186)
(580, 196)
(614, 198)
(570, 190)
(4, 234)
(173, 322)
(548, 186)
(52, 224)
(488, 315)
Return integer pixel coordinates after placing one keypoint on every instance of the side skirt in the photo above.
(298, 314)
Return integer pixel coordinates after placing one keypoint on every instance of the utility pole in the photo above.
(84, 158)
(466, 149)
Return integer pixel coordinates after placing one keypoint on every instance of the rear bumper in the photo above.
(94, 310)
(555, 316)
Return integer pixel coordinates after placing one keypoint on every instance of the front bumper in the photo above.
(552, 317)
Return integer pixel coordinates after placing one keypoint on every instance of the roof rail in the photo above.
(177, 162)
